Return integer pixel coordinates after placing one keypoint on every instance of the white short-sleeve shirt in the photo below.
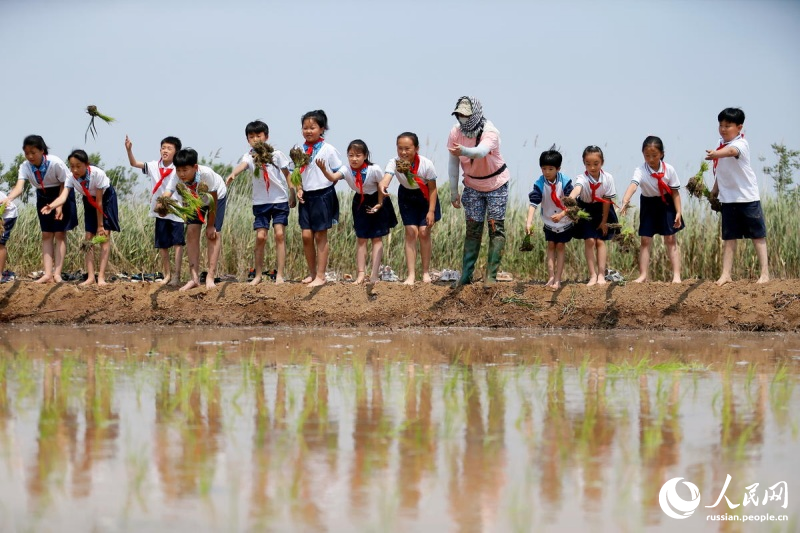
(606, 190)
(97, 180)
(313, 178)
(55, 175)
(735, 177)
(11, 208)
(207, 175)
(642, 176)
(426, 171)
(374, 175)
(154, 169)
(278, 188)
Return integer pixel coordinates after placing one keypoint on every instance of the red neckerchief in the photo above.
(663, 188)
(309, 149)
(38, 173)
(553, 195)
(164, 173)
(722, 145)
(594, 188)
(423, 186)
(359, 180)
(265, 172)
(193, 189)
(84, 183)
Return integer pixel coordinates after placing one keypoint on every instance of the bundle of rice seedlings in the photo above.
(166, 205)
(86, 245)
(94, 113)
(574, 212)
(192, 203)
(527, 243)
(404, 167)
(626, 239)
(300, 159)
(262, 155)
(2, 224)
(697, 188)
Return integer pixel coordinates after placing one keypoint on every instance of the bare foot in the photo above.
(549, 283)
(45, 279)
(426, 277)
(190, 285)
(307, 279)
(555, 285)
(592, 281)
(256, 280)
(101, 282)
(164, 280)
(174, 282)
(278, 280)
(409, 280)
(210, 282)
(374, 279)
(642, 279)
(58, 279)
(317, 282)
(763, 279)
(723, 280)
(676, 279)
(360, 278)
(601, 280)
(89, 281)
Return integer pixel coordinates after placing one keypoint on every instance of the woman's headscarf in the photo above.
(472, 108)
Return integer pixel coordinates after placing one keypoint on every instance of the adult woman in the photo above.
(474, 145)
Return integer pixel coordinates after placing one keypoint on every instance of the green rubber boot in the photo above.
(497, 242)
(472, 248)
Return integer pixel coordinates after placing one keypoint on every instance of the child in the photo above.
(594, 190)
(47, 173)
(547, 192)
(191, 174)
(735, 185)
(99, 208)
(272, 198)
(319, 205)
(169, 229)
(373, 217)
(9, 219)
(660, 212)
(418, 201)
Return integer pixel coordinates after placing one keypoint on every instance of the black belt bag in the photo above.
(493, 174)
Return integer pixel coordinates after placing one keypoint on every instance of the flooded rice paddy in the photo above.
(181, 429)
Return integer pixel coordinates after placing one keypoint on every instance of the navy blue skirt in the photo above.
(48, 223)
(371, 226)
(587, 229)
(657, 217)
(110, 212)
(319, 210)
(559, 236)
(414, 207)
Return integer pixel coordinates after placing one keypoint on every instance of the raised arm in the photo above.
(131, 159)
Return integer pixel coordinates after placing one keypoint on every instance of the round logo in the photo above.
(673, 505)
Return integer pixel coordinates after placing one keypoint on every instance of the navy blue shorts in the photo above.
(169, 233)
(587, 229)
(657, 217)
(110, 212)
(319, 210)
(8, 225)
(414, 207)
(69, 210)
(218, 219)
(559, 237)
(266, 213)
(378, 224)
(743, 221)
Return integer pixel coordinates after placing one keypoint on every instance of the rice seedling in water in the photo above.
(574, 212)
(300, 159)
(94, 113)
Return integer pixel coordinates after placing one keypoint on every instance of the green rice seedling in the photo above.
(697, 188)
(300, 159)
(404, 167)
(626, 239)
(262, 155)
(526, 245)
(574, 212)
(88, 244)
(2, 210)
(94, 113)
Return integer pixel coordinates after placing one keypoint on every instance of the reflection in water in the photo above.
(354, 434)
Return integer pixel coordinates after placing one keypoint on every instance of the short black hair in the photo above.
(731, 114)
(174, 141)
(318, 116)
(551, 158)
(186, 157)
(80, 155)
(257, 126)
(36, 141)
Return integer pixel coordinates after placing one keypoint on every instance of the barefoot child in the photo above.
(169, 228)
(660, 212)
(547, 193)
(319, 206)
(418, 200)
(736, 186)
(272, 198)
(595, 190)
(373, 217)
(9, 218)
(47, 174)
(99, 208)
(213, 215)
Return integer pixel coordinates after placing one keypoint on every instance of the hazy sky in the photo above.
(571, 73)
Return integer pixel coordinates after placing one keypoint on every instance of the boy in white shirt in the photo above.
(736, 186)
(272, 198)
(213, 215)
(9, 217)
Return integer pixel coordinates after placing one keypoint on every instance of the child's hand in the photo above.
(128, 144)
(101, 232)
(46, 210)
(457, 202)
(292, 198)
(59, 213)
(375, 208)
(604, 228)
(528, 227)
(677, 223)
(456, 150)
(711, 154)
(300, 196)
(211, 233)
(624, 209)
(558, 216)
(430, 219)
(228, 180)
